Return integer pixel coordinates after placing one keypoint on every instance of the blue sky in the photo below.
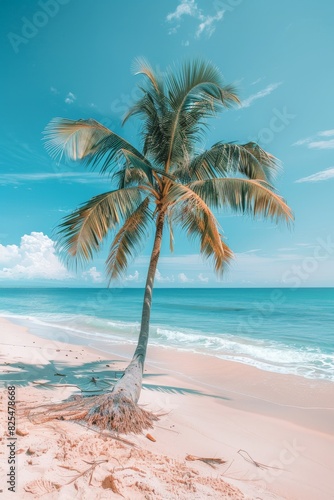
(73, 59)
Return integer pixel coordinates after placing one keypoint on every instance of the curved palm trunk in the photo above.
(118, 409)
(130, 384)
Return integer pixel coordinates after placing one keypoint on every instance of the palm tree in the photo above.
(168, 183)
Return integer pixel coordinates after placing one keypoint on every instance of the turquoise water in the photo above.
(281, 330)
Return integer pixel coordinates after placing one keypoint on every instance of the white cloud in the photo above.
(259, 95)
(70, 98)
(207, 25)
(314, 143)
(81, 178)
(285, 249)
(186, 262)
(132, 277)
(8, 253)
(185, 8)
(258, 80)
(282, 269)
(247, 268)
(321, 144)
(53, 90)
(326, 133)
(202, 278)
(190, 8)
(173, 30)
(34, 258)
(93, 274)
(162, 279)
(301, 142)
(253, 250)
(323, 175)
(183, 278)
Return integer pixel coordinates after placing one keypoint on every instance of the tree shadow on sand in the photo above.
(87, 378)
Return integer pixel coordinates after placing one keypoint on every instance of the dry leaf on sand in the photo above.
(40, 487)
(110, 483)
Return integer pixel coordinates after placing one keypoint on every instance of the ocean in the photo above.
(280, 330)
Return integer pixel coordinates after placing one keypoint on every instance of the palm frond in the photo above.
(81, 233)
(198, 78)
(139, 163)
(86, 139)
(191, 212)
(224, 159)
(144, 165)
(194, 93)
(243, 195)
(128, 240)
(145, 106)
(269, 163)
(152, 109)
(75, 139)
(142, 67)
(153, 115)
(129, 176)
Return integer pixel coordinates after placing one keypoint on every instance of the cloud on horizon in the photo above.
(132, 277)
(34, 258)
(93, 275)
(162, 279)
(183, 278)
(34, 261)
(249, 268)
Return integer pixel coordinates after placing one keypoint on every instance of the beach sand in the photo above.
(211, 408)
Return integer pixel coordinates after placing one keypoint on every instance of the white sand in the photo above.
(213, 408)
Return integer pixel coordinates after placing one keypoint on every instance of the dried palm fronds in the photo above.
(246, 456)
(210, 461)
(108, 411)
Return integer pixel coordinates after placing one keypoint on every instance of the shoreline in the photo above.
(212, 408)
(71, 335)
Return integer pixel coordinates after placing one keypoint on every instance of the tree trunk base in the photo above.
(113, 412)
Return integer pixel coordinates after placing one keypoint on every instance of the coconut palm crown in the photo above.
(167, 183)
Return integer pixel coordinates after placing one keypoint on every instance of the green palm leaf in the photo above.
(153, 109)
(198, 78)
(129, 176)
(198, 87)
(86, 139)
(226, 159)
(142, 67)
(81, 233)
(75, 139)
(144, 165)
(243, 195)
(194, 216)
(128, 240)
